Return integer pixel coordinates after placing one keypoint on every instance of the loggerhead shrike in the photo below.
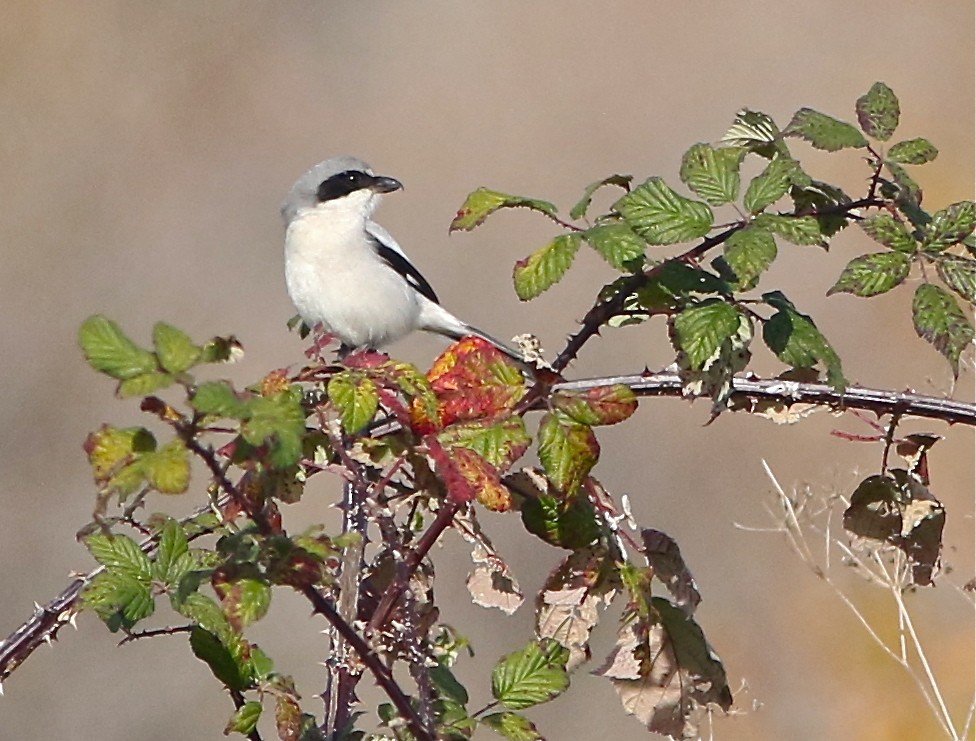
(346, 272)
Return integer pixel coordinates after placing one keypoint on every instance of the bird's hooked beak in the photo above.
(383, 184)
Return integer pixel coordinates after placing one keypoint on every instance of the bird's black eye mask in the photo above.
(342, 184)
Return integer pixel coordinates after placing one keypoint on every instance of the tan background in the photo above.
(145, 148)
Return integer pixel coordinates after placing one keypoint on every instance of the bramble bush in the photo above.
(421, 454)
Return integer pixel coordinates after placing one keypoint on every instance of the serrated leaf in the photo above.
(567, 451)
(617, 243)
(821, 197)
(959, 273)
(168, 469)
(756, 132)
(912, 152)
(939, 319)
(108, 350)
(144, 384)
(771, 184)
(218, 398)
(174, 348)
(512, 726)
(210, 650)
(245, 718)
(795, 340)
(483, 202)
(579, 210)
(121, 554)
(661, 216)
(278, 421)
(604, 405)
(500, 442)
(878, 112)
(949, 226)
(111, 447)
(823, 131)
(890, 232)
(565, 523)
(170, 564)
(802, 230)
(532, 676)
(712, 173)
(542, 269)
(871, 275)
(703, 328)
(749, 252)
(246, 601)
(356, 399)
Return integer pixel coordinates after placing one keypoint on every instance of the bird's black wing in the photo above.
(402, 265)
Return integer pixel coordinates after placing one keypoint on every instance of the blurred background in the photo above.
(145, 148)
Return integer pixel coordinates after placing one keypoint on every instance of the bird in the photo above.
(347, 273)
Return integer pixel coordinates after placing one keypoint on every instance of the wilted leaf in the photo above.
(491, 583)
(878, 112)
(664, 557)
(939, 319)
(871, 275)
(661, 216)
(483, 202)
(579, 210)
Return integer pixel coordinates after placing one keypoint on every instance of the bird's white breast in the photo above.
(335, 277)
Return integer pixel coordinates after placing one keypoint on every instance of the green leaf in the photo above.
(912, 152)
(534, 675)
(356, 398)
(950, 226)
(245, 718)
(878, 112)
(500, 442)
(939, 319)
(662, 216)
(144, 384)
(748, 253)
(756, 132)
(770, 185)
(802, 230)
(120, 554)
(797, 342)
(565, 523)
(617, 243)
(871, 275)
(579, 210)
(171, 563)
(545, 267)
(246, 601)
(279, 421)
(108, 350)
(210, 650)
(512, 726)
(111, 447)
(703, 328)
(823, 131)
(604, 405)
(168, 469)
(821, 197)
(567, 451)
(484, 202)
(890, 232)
(712, 173)
(218, 398)
(959, 273)
(447, 685)
(174, 348)
(119, 599)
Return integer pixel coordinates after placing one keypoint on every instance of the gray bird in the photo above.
(345, 271)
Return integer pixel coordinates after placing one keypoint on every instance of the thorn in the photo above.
(48, 640)
(38, 608)
(73, 620)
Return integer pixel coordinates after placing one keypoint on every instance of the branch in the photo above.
(749, 391)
